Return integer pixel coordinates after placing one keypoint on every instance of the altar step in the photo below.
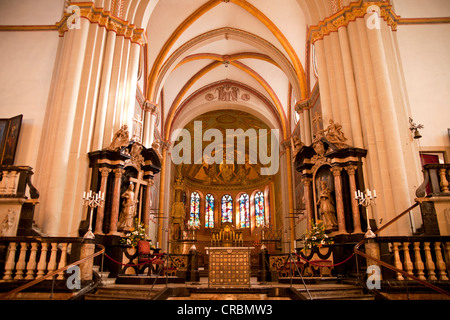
(122, 292)
(335, 291)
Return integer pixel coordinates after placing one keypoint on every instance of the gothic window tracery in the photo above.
(259, 209)
(244, 211)
(194, 219)
(227, 209)
(209, 211)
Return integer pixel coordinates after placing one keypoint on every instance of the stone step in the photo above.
(124, 292)
(335, 292)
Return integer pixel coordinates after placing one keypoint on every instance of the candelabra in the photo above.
(92, 200)
(366, 199)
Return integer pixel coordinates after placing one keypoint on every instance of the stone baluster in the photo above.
(440, 261)
(10, 261)
(21, 264)
(397, 262)
(447, 255)
(408, 265)
(418, 264)
(31, 265)
(444, 182)
(52, 262)
(42, 264)
(429, 261)
(62, 260)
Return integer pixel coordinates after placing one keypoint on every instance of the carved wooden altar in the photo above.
(331, 173)
(114, 169)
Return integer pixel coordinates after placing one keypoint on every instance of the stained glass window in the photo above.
(209, 211)
(244, 211)
(227, 208)
(259, 209)
(195, 209)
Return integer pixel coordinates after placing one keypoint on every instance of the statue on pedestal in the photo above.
(127, 215)
(121, 139)
(326, 206)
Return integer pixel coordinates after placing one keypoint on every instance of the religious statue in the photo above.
(156, 145)
(297, 144)
(121, 139)
(136, 156)
(335, 135)
(326, 206)
(126, 219)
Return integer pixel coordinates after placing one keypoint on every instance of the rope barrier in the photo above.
(316, 264)
(134, 265)
(329, 266)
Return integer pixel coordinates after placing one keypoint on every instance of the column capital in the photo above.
(306, 181)
(336, 171)
(118, 172)
(150, 106)
(351, 169)
(104, 171)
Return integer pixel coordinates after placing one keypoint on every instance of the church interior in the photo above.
(208, 149)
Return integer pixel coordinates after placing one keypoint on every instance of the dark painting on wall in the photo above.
(9, 135)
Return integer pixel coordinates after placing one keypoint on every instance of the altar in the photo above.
(229, 266)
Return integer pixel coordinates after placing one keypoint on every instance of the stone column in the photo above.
(87, 249)
(148, 195)
(101, 209)
(162, 191)
(355, 210)
(115, 201)
(308, 200)
(150, 111)
(339, 202)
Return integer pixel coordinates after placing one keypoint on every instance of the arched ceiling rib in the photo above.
(190, 44)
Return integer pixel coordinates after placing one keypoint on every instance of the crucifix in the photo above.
(138, 182)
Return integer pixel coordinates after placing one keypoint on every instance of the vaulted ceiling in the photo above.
(259, 45)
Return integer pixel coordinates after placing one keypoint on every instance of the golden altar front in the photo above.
(229, 266)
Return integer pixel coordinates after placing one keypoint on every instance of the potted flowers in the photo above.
(316, 238)
(135, 235)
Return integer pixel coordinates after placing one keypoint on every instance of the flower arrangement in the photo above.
(316, 237)
(135, 235)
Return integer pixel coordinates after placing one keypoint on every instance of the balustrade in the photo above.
(436, 180)
(423, 258)
(29, 259)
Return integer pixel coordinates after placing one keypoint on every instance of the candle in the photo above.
(374, 193)
(356, 195)
(84, 195)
